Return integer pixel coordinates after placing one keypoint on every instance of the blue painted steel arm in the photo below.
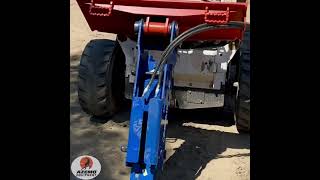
(147, 133)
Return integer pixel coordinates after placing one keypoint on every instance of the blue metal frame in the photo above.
(147, 133)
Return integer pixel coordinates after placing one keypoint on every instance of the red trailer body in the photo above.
(119, 16)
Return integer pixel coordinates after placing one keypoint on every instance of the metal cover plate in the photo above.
(195, 97)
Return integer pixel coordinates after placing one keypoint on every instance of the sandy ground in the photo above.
(201, 144)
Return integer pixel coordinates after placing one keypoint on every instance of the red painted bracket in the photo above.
(216, 17)
(95, 10)
(150, 27)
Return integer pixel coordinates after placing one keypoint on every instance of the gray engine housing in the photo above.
(199, 75)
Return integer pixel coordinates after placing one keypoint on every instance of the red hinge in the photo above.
(99, 10)
(216, 17)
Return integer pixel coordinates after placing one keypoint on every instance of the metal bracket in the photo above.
(150, 27)
(216, 17)
(99, 10)
(149, 114)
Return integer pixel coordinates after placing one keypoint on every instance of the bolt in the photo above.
(123, 148)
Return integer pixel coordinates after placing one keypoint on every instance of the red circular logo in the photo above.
(86, 162)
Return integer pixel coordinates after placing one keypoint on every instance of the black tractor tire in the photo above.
(101, 78)
(242, 109)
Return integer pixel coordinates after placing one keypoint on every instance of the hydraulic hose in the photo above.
(178, 40)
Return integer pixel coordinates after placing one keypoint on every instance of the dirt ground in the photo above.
(201, 144)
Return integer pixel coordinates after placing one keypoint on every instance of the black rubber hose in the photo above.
(185, 35)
